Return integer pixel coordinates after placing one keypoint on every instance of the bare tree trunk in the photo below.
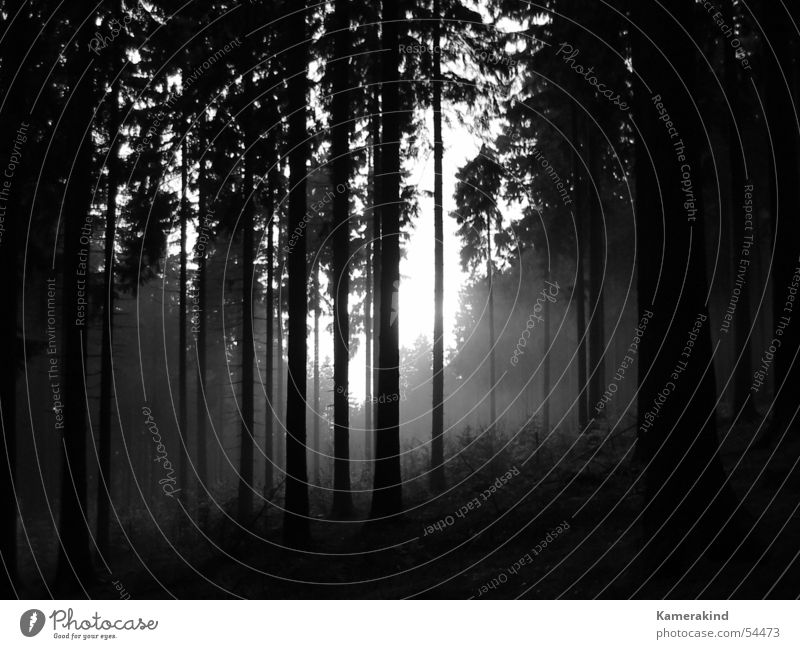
(295, 524)
(546, 363)
(785, 206)
(269, 417)
(368, 452)
(596, 274)
(317, 415)
(248, 343)
(340, 149)
(491, 432)
(16, 79)
(280, 366)
(104, 478)
(183, 453)
(377, 197)
(200, 327)
(437, 411)
(579, 294)
(74, 561)
(387, 498)
(688, 501)
(743, 372)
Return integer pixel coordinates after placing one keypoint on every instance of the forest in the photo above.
(441, 299)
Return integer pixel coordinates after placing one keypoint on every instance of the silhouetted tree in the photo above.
(687, 500)
(340, 152)
(387, 497)
(295, 524)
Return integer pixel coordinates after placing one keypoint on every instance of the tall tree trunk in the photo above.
(183, 453)
(248, 342)
(203, 227)
(74, 560)
(374, 40)
(743, 372)
(376, 267)
(580, 184)
(15, 81)
(340, 152)
(785, 199)
(491, 432)
(368, 451)
(295, 525)
(596, 275)
(317, 415)
(387, 498)
(104, 478)
(546, 362)
(686, 498)
(437, 409)
(280, 366)
(269, 419)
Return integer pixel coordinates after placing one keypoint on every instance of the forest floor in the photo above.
(498, 549)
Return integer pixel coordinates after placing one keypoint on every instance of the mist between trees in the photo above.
(219, 224)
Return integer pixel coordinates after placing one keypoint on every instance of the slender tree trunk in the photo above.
(317, 415)
(596, 275)
(785, 199)
(377, 196)
(579, 295)
(687, 501)
(295, 525)
(74, 561)
(376, 285)
(183, 453)
(15, 77)
(437, 411)
(368, 452)
(491, 432)
(203, 226)
(546, 363)
(340, 151)
(743, 372)
(280, 366)
(387, 498)
(104, 479)
(269, 419)
(248, 342)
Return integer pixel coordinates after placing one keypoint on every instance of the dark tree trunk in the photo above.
(203, 227)
(596, 274)
(785, 199)
(546, 363)
(743, 372)
(104, 479)
(340, 151)
(387, 498)
(183, 454)
(376, 269)
(377, 197)
(295, 525)
(686, 499)
(317, 415)
(437, 410)
(368, 339)
(74, 561)
(248, 342)
(269, 419)
(15, 78)
(580, 183)
(491, 431)
(280, 366)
